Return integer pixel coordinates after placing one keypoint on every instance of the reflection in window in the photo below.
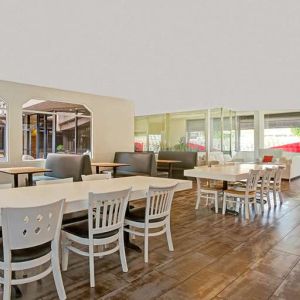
(3, 128)
(50, 126)
(245, 133)
(282, 131)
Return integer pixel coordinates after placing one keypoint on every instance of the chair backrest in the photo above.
(252, 180)
(54, 181)
(96, 177)
(159, 202)
(266, 178)
(278, 176)
(4, 186)
(31, 226)
(107, 211)
(68, 165)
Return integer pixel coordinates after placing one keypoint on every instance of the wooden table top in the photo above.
(168, 161)
(23, 170)
(109, 165)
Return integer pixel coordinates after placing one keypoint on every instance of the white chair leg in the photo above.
(7, 284)
(262, 203)
(146, 245)
(122, 251)
(216, 203)
(101, 249)
(237, 205)
(57, 275)
(247, 209)
(268, 199)
(280, 196)
(169, 236)
(274, 197)
(91, 262)
(224, 204)
(255, 205)
(65, 255)
(198, 199)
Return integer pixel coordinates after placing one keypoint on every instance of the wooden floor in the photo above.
(215, 257)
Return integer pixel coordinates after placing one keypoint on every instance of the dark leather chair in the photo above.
(140, 163)
(188, 161)
(65, 166)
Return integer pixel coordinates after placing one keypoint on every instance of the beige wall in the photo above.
(112, 125)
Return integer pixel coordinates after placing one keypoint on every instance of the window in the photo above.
(282, 131)
(245, 127)
(3, 130)
(195, 134)
(51, 126)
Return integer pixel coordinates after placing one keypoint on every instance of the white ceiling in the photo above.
(165, 55)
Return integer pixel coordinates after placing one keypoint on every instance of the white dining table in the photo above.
(226, 173)
(76, 193)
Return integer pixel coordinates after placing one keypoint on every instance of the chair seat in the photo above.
(81, 229)
(75, 217)
(138, 215)
(239, 193)
(22, 255)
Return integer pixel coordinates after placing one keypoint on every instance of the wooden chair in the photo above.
(104, 226)
(54, 181)
(31, 239)
(246, 196)
(96, 177)
(210, 193)
(275, 185)
(155, 215)
(263, 188)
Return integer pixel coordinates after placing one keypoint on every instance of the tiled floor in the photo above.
(215, 257)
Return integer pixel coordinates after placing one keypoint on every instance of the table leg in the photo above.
(30, 181)
(97, 170)
(16, 180)
(225, 185)
(114, 172)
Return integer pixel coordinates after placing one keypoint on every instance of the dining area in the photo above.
(236, 187)
(44, 222)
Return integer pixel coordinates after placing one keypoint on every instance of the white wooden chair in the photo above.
(54, 181)
(263, 188)
(275, 185)
(96, 177)
(210, 193)
(31, 239)
(246, 196)
(155, 215)
(105, 226)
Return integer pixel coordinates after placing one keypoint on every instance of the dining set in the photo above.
(38, 228)
(242, 185)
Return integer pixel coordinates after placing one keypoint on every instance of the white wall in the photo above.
(112, 126)
(166, 55)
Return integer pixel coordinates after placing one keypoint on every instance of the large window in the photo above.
(51, 126)
(195, 131)
(245, 127)
(282, 131)
(3, 130)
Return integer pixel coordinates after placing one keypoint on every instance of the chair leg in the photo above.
(91, 262)
(65, 256)
(280, 196)
(262, 204)
(169, 236)
(247, 209)
(255, 205)
(274, 197)
(268, 199)
(57, 275)
(224, 204)
(122, 251)
(198, 199)
(146, 245)
(7, 284)
(216, 203)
